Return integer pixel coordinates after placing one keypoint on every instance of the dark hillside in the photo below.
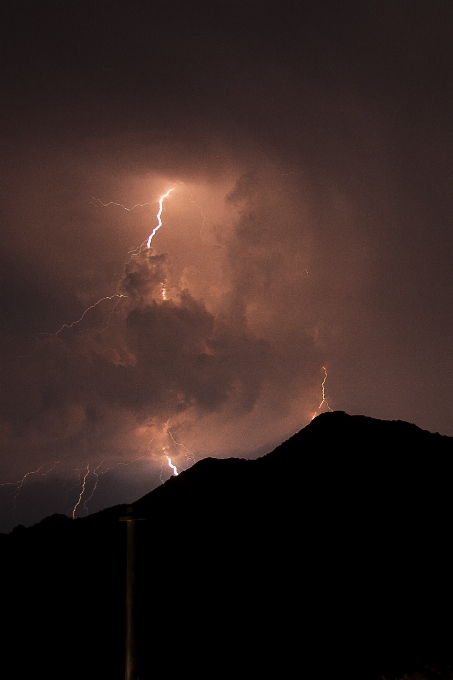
(330, 555)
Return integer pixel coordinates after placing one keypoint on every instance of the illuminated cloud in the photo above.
(309, 225)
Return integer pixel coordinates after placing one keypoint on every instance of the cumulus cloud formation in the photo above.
(308, 227)
(155, 351)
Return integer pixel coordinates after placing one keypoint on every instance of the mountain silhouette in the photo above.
(328, 557)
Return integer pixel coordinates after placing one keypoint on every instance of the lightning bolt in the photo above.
(82, 491)
(95, 486)
(173, 467)
(159, 217)
(100, 204)
(20, 483)
(323, 401)
(107, 297)
(97, 474)
(136, 251)
(117, 297)
(188, 454)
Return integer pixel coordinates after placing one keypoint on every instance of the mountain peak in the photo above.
(332, 547)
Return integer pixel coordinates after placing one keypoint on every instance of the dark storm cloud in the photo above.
(152, 358)
(182, 348)
(312, 142)
(143, 274)
(160, 358)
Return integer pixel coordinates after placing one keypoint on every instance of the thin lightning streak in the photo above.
(191, 200)
(323, 395)
(137, 251)
(159, 217)
(111, 313)
(26, 356)
(74, 323)
(323, 385)
(274, 165)
(82, 491)
(74, 486)
(129, 462)
(20, 483)
(100, 204)
(117, 296)
(44, 474)
(95, 473)
(197, 206)
(188, 453)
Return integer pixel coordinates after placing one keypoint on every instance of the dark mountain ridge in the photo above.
(331, 554)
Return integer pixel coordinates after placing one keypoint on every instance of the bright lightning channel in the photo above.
(136, 251)
(172, 466)
(118, 296)
(190, 458)
(17, 486)
(164, 292)
(159, 216)
(323, 401)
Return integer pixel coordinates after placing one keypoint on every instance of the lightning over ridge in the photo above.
(323, 402)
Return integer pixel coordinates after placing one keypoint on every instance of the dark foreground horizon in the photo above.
(330, 555)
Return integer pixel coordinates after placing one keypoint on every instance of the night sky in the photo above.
(309, 146)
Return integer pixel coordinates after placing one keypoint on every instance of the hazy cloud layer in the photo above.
(309, 146)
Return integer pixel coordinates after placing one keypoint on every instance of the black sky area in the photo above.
(309, 232)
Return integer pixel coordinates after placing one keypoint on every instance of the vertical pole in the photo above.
(131, 668)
